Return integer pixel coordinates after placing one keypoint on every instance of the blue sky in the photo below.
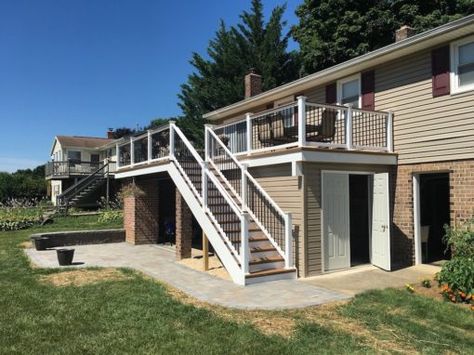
(77, 67)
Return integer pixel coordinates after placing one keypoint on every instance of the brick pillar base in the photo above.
(141, 213)
(184, 228)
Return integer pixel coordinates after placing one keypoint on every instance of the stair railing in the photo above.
(229, 219)
(274, 222)
(62, 200)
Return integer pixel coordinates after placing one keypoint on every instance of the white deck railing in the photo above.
(303, 123)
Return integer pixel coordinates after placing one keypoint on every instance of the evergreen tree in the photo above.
(217, 80)
(332, 31)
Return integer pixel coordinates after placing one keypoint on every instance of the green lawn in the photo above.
(137, 315)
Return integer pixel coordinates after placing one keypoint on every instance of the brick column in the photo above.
(141, 213)
(184, 228)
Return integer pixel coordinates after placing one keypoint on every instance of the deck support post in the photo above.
(301, 121)
(248, 118)
(118, 155)
(149, 147)
(205, 251)
(289, 263)
(172, 139)
(244, 182)
(132, 152)
(349, 127)
(244, 244)
(390, 132)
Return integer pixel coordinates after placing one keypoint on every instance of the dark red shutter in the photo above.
(331, 93)
(368, 90)
(440, 71)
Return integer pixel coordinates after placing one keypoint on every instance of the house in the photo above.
(74, 158)
(360, 163)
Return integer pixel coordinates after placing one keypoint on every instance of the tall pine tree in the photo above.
(217, 79)
(332, 31)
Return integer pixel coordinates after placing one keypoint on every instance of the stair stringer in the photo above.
(228, 260)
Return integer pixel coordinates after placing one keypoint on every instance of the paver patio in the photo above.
(159, 263)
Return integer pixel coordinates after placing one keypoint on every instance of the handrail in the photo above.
(245, 171)
(187, 143)
(207, 176)
(243, 195)
(81, 185)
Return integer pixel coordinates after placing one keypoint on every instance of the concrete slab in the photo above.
(360, 279)
(159, 263)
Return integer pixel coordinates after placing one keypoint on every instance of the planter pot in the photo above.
(65, 256)
(41, 243)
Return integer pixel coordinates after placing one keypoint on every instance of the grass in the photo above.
(134, 314)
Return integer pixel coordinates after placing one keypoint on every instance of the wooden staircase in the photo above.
(80, 191)
(251, 235)
(265, 262)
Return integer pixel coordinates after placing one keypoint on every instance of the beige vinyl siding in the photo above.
(287, 192)
(425, 128)
(312, 207)
(271, 170)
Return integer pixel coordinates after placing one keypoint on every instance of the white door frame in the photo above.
(348, 172)
(416, 218)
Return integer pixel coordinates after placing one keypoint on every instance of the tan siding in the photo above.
(312, 201)
(271, 170)
(425, 128)
(287, 192)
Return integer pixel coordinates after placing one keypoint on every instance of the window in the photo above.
(462, 65)
(348, 91)
(74, 156)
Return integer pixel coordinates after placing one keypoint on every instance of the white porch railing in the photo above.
(208, 180)
(303, 123)
(270, 218)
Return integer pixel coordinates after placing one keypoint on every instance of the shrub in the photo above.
(457, 274)
(111, 216)
(426, 283)
(460, 239)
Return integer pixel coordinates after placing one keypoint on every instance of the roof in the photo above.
(81, 142)
(421, 41)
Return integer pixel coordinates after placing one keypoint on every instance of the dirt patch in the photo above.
(83, 277)
(283, 323)
(196, 262)
(26, 245)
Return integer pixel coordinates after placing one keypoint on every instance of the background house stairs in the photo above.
(81, 191)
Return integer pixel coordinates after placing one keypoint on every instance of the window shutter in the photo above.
(331, 93)
(440, 71)
(368, 90)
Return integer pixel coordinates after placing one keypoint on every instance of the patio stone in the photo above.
(159, 263)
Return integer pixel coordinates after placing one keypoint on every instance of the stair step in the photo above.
(269, 272)
(266, 260)
(263, 249)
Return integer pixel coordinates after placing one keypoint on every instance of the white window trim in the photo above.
(454, 61)
(340, 82)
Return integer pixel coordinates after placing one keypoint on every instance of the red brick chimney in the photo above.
(253, 84)
(403, 33)
(110, 133)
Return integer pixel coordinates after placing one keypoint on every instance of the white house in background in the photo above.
(74, 158)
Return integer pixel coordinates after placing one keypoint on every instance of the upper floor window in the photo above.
(348, 91)
(74, 156)
(462, 65)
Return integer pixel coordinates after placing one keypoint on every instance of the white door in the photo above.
(380, 252)
(335, 195)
